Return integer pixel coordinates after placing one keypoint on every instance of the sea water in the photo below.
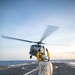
(15, 62)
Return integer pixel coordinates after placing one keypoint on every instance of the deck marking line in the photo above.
(30, 71)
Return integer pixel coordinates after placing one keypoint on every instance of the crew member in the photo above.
(45, 67)
(39, 55)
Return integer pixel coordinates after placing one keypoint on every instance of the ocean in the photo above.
(15, 62)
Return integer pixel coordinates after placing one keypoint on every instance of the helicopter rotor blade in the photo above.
(32, 41)
(55, 44)
(50, 29)
(18, 39)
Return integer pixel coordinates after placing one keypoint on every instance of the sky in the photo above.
(28, 19)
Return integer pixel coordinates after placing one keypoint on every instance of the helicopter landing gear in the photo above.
(30, 56)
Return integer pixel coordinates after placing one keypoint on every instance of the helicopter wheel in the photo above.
(30, 56)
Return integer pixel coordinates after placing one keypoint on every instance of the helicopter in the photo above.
(39, 44)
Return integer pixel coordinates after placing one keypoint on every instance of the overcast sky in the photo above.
(28, 19)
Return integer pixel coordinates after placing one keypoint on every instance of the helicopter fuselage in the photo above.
(34, 49)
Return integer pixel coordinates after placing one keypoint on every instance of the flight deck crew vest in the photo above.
(39, 54)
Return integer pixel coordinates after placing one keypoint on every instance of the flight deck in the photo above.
(32, 69)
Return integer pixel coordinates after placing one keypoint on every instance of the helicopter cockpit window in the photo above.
(37, 47)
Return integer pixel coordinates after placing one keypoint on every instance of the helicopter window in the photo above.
(35, 47)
